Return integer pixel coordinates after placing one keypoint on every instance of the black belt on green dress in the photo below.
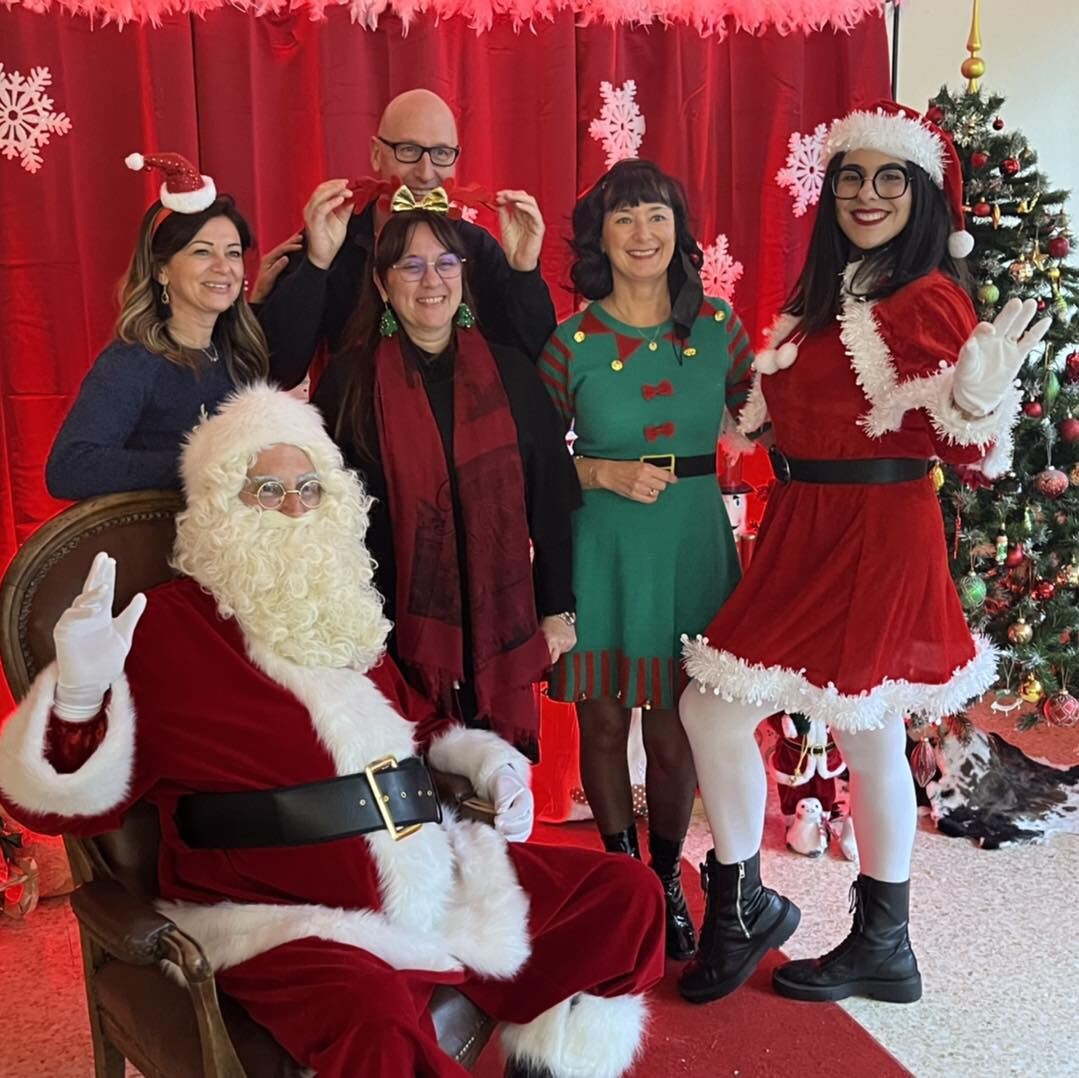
(313, 812)
(683, 467)
(872, 470)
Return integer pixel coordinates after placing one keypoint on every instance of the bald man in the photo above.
(315, 297)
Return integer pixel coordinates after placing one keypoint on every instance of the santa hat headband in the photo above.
(902, 133)
(184, 189)
(250, 420)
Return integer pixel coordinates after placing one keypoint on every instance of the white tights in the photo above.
(734, 786)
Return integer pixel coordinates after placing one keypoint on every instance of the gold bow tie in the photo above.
(437, 201)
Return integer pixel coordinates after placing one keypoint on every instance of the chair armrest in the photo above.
(129, 928)
(457, 791)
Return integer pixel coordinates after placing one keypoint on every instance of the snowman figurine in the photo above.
(808, 833)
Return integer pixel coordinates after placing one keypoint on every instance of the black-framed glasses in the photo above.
(889, 181)
(447, 266)
(271, 493)
(408, 153)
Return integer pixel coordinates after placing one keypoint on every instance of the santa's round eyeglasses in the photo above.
(889, 181)
(271, 493)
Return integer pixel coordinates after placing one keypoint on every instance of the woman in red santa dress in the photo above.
(245, 701)
(847, 612)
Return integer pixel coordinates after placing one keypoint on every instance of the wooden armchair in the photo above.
(168, 1027)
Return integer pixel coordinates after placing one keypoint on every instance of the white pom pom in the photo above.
(787, 354)
(135, 161)
(701, 688)
(960, 244)
(715, 691)
(765, 361)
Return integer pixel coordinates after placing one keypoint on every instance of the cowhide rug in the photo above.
(993, 793)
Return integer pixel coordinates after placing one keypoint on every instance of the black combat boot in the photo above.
(623, 842)
(667, 865)
(742, 920)
(875, 960)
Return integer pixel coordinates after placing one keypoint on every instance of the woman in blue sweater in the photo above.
(185, 338)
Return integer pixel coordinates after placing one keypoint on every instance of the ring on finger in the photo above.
(653, 492)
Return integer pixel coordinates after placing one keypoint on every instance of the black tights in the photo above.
(670, 780)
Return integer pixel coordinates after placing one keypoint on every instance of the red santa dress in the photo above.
(847, 612)
(336, 946)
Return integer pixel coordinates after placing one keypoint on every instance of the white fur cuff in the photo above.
(30, 781)
(585, 1035)
(477, 754)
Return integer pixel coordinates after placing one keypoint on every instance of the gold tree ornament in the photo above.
(973, 67)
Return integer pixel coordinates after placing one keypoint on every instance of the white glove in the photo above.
(513, 804)
(92, 645)
(992, 355)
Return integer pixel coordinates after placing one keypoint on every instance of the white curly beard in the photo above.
(301, 586)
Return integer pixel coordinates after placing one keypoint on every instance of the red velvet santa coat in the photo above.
(847, 612)
(194, 713)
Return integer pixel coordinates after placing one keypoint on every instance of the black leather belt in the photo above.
(683, 467)
(387, 794)
(872, 470)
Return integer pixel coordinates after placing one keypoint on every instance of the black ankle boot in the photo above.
(667, 865)
(742, 920)
(623, 842)
(875, 960)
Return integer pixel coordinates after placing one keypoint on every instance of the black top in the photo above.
(308, 305)
(550, 480)
(125, 429)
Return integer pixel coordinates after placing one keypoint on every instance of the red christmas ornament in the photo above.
(998, 124)
(1042, 305)
(1043, 591)
(1033, 409)
(1059, 247)
(1069, 429)
(934, 114)
(1016, 556)
(982, 209)
(1071, 367)
(1009, 166)
(1061, 709)
(979, 159)
(1052, 482)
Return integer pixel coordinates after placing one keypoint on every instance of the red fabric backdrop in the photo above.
(271, 106)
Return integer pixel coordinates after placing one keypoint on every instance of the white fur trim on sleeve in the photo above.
(476, 754)
(584, 1034)
(754, 414)
(29, 780)
(890, 399)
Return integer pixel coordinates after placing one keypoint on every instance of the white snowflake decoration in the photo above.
(26, 117)
(720, 272)
(803, 174)
(620, 126)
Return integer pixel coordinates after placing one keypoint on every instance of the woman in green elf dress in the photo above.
(643, 373)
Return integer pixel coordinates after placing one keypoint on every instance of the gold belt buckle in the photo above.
(382, 800)
(650, 458)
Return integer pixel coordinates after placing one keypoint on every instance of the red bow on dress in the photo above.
(660, 430)
(664, 389)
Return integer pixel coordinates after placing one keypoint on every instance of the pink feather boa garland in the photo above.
(707, 17)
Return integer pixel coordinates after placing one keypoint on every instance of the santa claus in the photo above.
(302, 843)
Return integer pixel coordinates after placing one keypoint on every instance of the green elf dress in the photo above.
(645, 574)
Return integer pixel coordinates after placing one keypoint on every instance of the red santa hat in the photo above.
(250, 420)
(903, 133)
(184, 189)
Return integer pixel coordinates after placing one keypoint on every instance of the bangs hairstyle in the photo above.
(355, 421)
(919, 249)
(625, 185)
(143, 317)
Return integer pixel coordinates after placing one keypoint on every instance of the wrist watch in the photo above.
(569, 617)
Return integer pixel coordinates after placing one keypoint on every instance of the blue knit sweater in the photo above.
(125, 429)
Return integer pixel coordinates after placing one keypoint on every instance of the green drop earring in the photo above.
(465, 318)
(387, 324)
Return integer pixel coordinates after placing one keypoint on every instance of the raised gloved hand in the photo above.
(92, 645)
(513, 804)
(992, 355)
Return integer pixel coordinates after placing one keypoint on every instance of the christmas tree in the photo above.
(1015, 543)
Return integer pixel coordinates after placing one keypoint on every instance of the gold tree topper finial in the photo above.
(973, 67)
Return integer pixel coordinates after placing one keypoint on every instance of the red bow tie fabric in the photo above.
(660, 430)
(663, 389)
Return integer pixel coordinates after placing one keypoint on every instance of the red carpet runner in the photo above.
(752, 1033)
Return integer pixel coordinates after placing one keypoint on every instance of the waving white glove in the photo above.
(92, 645)
(513, 804)
(992, 355)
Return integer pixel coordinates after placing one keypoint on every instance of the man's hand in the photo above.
(522, 228)
(992, 355)
(271, 265)
(92, 645)
(513, 804)
(325, 220)
(559, 634)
